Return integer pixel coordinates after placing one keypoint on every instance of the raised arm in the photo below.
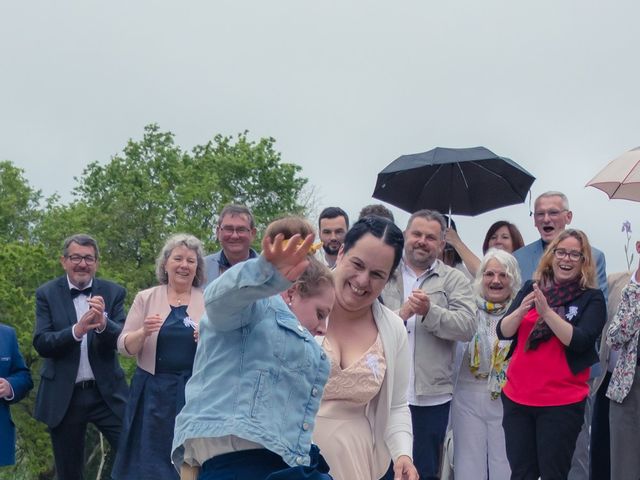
(468, 257)
(230, 298)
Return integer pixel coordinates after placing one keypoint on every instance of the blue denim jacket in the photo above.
(258, 374)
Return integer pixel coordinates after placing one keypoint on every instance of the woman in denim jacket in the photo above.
(258, 375)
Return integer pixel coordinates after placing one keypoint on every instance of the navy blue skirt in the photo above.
(144, 449)
(262, 464)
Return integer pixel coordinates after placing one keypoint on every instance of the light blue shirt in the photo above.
(258, 374)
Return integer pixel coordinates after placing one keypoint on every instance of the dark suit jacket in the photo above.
(54, 341)
(13, 369)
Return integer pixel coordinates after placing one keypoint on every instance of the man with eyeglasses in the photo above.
(78, 320)
(551, 216)
(236, 231)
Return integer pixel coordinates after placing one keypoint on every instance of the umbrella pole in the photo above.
(449, 218)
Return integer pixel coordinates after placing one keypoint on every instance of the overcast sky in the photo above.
(345, 87)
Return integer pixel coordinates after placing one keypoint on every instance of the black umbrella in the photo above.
(464, 181)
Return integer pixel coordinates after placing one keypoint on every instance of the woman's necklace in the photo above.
(180, 298)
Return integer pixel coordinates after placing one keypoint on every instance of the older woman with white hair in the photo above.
(161, 332)
(476, 410)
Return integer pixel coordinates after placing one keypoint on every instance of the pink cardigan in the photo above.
(148, 302)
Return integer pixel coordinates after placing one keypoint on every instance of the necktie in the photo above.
(75, 292)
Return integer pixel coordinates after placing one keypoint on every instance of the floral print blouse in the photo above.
(623, 335)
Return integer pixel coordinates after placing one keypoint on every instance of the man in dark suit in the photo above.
(15, 383)
(78, 320)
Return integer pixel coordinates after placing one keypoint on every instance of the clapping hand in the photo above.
(290, 259)
(417, 303)
(92, 318)
(542, 306)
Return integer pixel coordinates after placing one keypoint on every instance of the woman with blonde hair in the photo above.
(554, 322)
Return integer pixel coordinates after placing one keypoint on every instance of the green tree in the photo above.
(130, 204)
(19, 204)
(154, 188)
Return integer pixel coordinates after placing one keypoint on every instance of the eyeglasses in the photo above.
(77, 259)
(230, 230)
(553, 214)
(573, 255)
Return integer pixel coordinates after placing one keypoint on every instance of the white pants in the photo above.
(478, 438)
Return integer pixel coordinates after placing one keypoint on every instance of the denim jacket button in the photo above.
(323, 356)
(300, 460)
(314, 392)
(305, 426)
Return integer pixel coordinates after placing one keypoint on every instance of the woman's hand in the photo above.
(452, 238)
(528, 302)
(290, 259)
(542, 306)
(403, 469)
(562, 329)
(509, 325)
(151, 324)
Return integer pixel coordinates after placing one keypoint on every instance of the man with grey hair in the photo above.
(235, 231)
(78, 320)
(551, 214)
(437, 304)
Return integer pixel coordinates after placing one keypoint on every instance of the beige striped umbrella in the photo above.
(621, 177)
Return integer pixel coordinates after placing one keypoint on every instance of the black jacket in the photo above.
(53, 340)
(587, 326)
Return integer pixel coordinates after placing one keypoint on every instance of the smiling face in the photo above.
(501, 239)
(181, 267)
(236, 235)
(495, 282)
(312, 311)
(362, 272)
(565, 269)
(81, 273)
(550, 217)
(423, 243)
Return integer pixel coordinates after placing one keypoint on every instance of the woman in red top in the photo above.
(554, 322)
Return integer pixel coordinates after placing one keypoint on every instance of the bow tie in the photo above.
(75, 292)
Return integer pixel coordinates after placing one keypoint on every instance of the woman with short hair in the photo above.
(476, 409)
(161, 332)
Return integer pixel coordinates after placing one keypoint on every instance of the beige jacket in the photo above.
(451, 318)
(149, 302)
